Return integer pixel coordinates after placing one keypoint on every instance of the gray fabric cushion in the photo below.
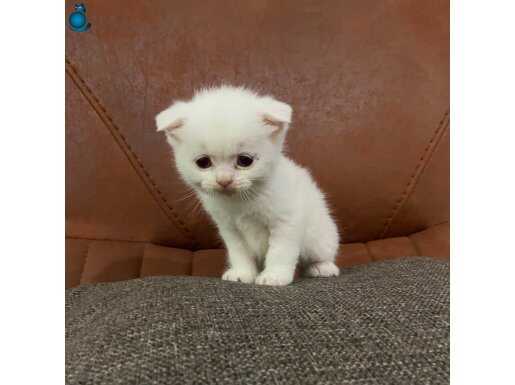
(384, 323)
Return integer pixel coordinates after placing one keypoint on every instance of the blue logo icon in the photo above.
(78, 19)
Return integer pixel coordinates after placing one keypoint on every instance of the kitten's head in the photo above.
(225, 139)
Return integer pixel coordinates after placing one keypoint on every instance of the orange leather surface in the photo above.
(90, 261)
(369, 85)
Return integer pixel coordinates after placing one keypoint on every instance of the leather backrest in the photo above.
(368, 82)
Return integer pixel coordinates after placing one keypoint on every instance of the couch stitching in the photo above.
(134, 160)
(415, 176)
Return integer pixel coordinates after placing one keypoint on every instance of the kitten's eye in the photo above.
(244, 160)
(203, 162)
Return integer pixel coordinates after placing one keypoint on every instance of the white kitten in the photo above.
(270, 213)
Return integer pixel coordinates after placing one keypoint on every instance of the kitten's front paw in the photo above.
(275, 278)
(240, 275)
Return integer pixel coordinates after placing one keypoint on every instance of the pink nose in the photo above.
(224, 182)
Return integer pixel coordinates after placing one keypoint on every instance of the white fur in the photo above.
(273, 214)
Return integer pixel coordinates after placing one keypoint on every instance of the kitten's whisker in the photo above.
(186, 197)
(196, 208)
(252, 193)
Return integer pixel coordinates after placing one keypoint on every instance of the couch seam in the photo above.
(145, 245)
(84, 263)
(424, 159)
(370, 255)
(414, 244)
(104, 239)
(435, 224)
(122, 142)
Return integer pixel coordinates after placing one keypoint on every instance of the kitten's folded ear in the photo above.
(277, 115)
(171, 119)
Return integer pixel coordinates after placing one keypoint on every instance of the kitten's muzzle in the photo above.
(224, 182)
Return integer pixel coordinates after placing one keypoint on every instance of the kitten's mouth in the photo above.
(227, 191)
(231, 192)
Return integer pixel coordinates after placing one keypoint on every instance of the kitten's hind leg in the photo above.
(320, 250)
(321, 269)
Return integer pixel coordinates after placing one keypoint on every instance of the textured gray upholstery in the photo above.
(383, 323)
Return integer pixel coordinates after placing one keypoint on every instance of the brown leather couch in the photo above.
(369, 85)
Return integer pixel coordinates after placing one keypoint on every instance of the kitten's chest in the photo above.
(251, 222)
(254, 229)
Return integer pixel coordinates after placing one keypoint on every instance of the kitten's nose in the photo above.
(224, 182)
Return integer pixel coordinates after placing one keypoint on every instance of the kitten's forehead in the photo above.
(225, 132)
(221, 148)
(227, 120)
(221, 142)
